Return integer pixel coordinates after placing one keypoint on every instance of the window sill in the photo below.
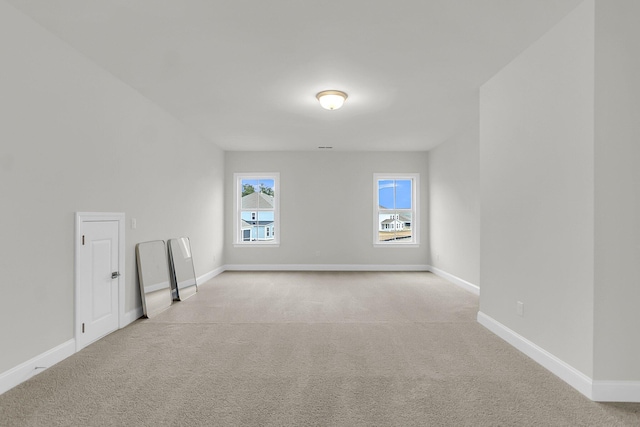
(256, 245)
(396, 245)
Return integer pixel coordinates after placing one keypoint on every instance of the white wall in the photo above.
(537, 198)
(73, 138)
(617, 191)
(454, 206)
(326, 207)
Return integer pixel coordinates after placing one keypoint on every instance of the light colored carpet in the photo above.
(307, 349)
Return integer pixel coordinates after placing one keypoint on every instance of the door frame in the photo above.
(82, 217)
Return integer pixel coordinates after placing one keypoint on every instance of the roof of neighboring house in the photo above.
(258, 223)
(403, 218)
(257, 200)
(389, 221)
(249, 224)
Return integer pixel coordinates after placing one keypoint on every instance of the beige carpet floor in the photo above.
(307, 349)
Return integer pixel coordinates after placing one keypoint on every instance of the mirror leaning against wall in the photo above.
(153, 273)
(183, 275)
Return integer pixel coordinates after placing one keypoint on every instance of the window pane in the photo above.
(249, 216)
(265, 217)
(248, 194)
(266, 186)
(386, 194)
(386, 227)
(394, 226)
(248, 186)
(266, 190)
(403, 194)
(405, 222)
(246, 227)
(265, 220)
(257, 193)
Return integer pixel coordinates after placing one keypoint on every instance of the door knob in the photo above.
(115, 275)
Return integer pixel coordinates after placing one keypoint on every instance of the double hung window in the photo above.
(395, 217)
(257, 209)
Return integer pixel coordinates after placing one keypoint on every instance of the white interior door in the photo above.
(98, 280)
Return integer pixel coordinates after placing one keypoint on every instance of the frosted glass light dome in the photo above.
(331, 99)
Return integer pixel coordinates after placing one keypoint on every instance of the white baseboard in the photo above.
(326, 267)
(616, 391)
(210, 275)
(475, 289)
(34, 366)
(131, 316)
(599, 391)
(564, 371)
(28, 369)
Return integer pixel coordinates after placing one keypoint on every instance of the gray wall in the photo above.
(559, 188)
(454, 206)
(326, 207)
(617, 190)
(74, 138)
(537, 197)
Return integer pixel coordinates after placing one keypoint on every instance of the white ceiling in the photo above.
(244, 73)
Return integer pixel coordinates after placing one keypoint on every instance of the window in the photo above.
(395, 217)
(257, 209)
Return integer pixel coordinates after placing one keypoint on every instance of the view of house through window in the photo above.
(257, 209)
(395, 213)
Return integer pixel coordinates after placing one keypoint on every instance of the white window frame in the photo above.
(237, 223)
(415, 210)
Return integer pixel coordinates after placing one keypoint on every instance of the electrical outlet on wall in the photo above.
(520, 308)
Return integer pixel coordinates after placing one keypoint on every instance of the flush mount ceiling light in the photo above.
(331, 99)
